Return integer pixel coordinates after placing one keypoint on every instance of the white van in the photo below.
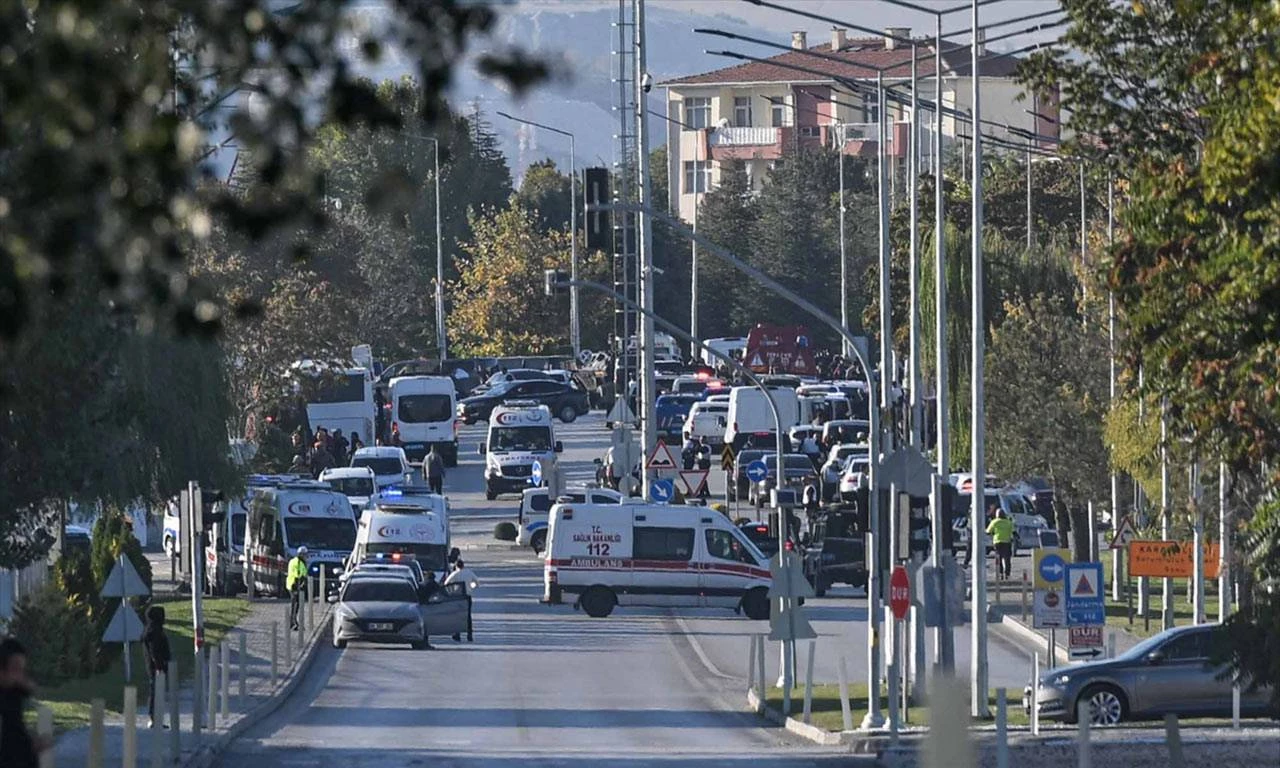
(535, 507)
(652, 554)
(389, 464)
(751, 419)
(520, 433)
(356, 483)
(424, 408)
(294, 514)
(395, 527)
(707, 419)
(729, 346)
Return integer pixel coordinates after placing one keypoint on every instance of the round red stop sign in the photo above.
(899, 592)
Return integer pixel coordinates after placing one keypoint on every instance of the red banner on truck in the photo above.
(780, 349)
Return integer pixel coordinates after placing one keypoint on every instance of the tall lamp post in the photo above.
(440, 334)
(575, 327)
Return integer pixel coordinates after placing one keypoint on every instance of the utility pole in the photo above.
(886, 313)
(844, 263)
(1197, 542)
(1166, 515)
(1035, 130)
(440, 332)
(913, 180)
(978, 651)
(645, 346)
(1224, 545)
(944, 639)
(1117, 559)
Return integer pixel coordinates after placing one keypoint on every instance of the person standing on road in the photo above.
(356, 442)
(18, 748)
(296, 582)
(299, 466)
(433, 468)
(689, 451)
(338, 447)
(467, 577)
(1001, 531)
(156, 645)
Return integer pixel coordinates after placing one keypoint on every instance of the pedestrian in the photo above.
(296, 583)
(155, 643)
(689, 451)
(395, 435)
(433, 468)
(704, 455)
(299, 466)
(338, 447)
(467, 577)
(425, 593)
(18, 748)
(356, 442)
(1001, 531)
(321, 459)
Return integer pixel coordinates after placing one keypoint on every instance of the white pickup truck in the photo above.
(707, 419)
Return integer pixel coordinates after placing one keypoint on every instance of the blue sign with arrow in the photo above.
(535, 473)
(757, 471)
(1052, 568)
(662, 491)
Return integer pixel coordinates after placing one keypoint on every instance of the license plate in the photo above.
(380, 626)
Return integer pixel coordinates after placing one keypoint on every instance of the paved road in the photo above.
(541, 686)
(546, 685)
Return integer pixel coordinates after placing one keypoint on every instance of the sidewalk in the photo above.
(261, 695)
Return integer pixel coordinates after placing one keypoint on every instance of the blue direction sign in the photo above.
(757, 471)
(1052, 567)
(1083, 585)
(662, 490)
(535, 473)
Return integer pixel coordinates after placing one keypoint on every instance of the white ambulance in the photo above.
(411, 525)
(292, 514)
(652, 554)
(521, 432)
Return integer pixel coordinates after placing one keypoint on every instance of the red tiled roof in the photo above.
(860, 59)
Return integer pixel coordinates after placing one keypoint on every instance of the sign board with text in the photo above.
(1084, 595)
(1084, 642)
(1049, 609)
(1171, 559)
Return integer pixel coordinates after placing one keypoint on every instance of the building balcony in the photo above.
(744, 136)
(746, 142)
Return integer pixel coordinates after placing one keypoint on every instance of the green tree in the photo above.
(546, 191)
(726, 216)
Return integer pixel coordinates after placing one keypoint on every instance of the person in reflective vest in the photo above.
(1001, 531)
(296, 582)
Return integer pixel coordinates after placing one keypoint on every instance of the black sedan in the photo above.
(566, 403)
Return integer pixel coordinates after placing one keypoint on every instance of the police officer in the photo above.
(296, 582)
(1001, 531)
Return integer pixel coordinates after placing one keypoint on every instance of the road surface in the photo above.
(545, 686)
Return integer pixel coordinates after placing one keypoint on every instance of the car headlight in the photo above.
(1058, 681)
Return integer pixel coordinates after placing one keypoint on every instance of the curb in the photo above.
(1029, 636)
(205, 754)
(859, 742)
(493, 548)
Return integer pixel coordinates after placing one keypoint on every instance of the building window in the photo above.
(811, 131)
(870, 110)
(697, 176)
(742, 111)
(778, 114)
(697, 112)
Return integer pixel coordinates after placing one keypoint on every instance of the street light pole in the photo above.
(844, 263)
(913, 178)
(440, 333)
(648, 429)
(978, 662)
(575, 322)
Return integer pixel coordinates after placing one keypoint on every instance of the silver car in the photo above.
(381, 609)
(1168, 673)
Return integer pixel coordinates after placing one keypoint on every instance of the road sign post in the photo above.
(662, 491)
(125, 627)
(535, 473)
(1084, 595)
(1084, 643)
(1048, 605)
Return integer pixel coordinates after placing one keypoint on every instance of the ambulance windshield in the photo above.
(520, 439)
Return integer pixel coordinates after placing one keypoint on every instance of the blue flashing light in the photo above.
(392, 492)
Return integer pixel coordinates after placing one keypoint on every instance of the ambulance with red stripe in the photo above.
(294, 514)
(606, 555)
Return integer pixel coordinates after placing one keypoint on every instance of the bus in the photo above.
(339, 399)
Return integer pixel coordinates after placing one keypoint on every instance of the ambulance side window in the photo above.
(662, 543)
(723, 546)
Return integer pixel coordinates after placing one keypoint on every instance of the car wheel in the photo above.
(598, 602)
(1106, 705)
(419, 645)
(339, 644)
(756, 604)
(538, 541)
(568, 414)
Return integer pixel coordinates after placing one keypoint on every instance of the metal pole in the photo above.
(913, 180)
(944, 640)
(1166, 514)
(1084, 237)
(1224, 545)
(1035, 109)
(693, 256)
(1116, 558)
(440, 334)
(978, 651)
(844, 264)
(575, 322)
(886, 309)
(648, 429)
(1197, 542)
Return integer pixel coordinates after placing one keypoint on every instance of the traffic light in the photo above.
(598, 224)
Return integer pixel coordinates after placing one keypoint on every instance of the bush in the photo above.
(112, 537)
(505, 531)
(73, 576)
(60, 636)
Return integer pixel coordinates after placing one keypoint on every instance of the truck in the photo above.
(780, 349)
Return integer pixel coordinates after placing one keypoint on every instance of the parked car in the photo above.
(566, 402)
(1166, 674)
(797, 472)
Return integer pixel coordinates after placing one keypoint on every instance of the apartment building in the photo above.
(759, 111)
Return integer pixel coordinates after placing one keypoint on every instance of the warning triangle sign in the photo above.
(1083, 587)
(756, 361)
(1124, 534)
(661, 458)
(693, 481)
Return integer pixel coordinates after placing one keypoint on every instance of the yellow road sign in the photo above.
(726, 458)
(1050, 566)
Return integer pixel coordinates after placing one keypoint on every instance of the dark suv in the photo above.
(566, 403)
